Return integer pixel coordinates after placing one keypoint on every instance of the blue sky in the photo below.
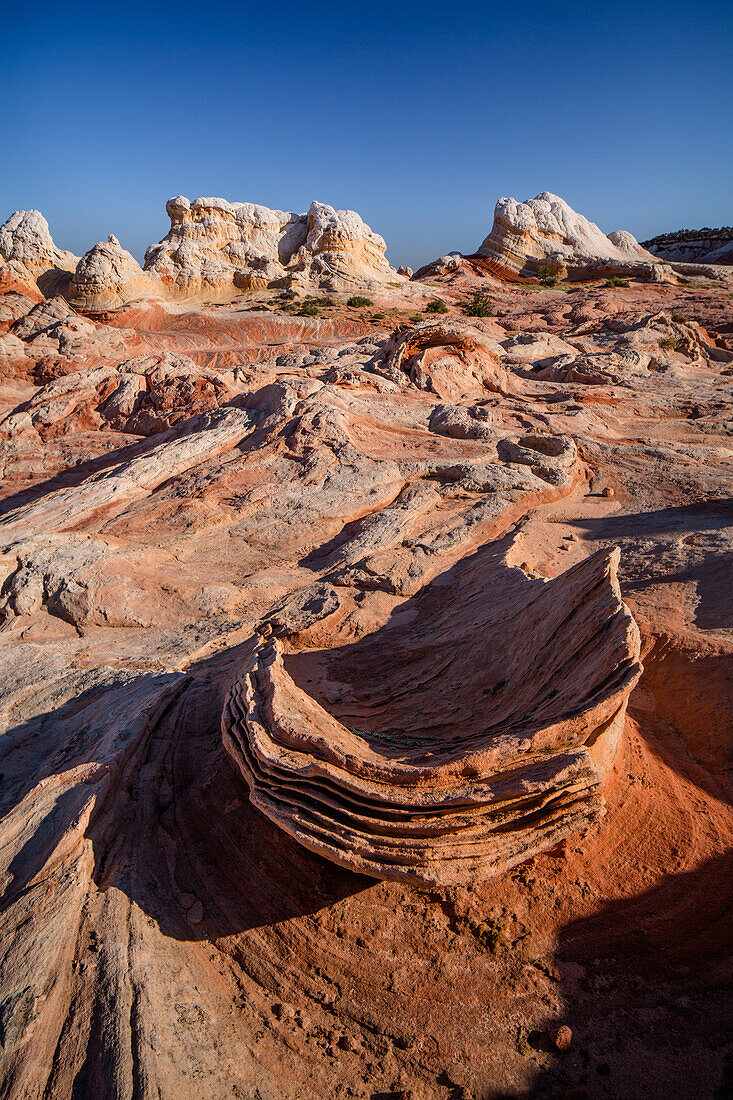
(418, 115)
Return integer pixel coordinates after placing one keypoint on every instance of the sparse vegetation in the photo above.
(415, 317)
(377, 317)
(437, 305)
(616, 280)
(479, 305)
(679, 318)
(545, 276)
(358, 300)
(286, 295)
(491, 934)
(671, 342)
(309, 309)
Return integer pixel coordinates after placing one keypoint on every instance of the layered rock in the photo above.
(547, 231)
(216, 247)
(26, 239)
(108, 277)
(424, 800)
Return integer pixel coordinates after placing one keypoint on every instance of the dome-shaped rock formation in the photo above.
(545, 230)
(215, 246)
(507, 758)
(26, 238)
(107, 277)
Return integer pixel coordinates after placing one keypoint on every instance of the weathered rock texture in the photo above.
(546, 231)
(431, 801)
(421, 519)
(215, 246)
(26, 239)
(108, 277)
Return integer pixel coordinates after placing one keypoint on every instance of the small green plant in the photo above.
(437, 305)
(671, 342)
(309, 309)
(479, 305)
(359, 300)
(616, 280)
(286, 295)
(545, 276)
(327, 303)
(377, 317)
(415, 317)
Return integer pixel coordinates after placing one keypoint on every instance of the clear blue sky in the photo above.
(418, 115)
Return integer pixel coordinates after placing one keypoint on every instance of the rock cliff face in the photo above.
(545, 230)
(711, 246)
(215, 247)
(107, 277)
(26, 239)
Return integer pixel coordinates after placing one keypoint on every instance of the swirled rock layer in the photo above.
(459, 796)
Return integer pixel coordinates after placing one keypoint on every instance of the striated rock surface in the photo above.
(107, 277)
(26, 239)
(422, 800)
(545, 230)
(215, 246)
(362, 538)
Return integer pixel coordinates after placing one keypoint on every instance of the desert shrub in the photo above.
(545, 276)
(679, 318)
(286, 295)
(616, 280)
(308, 309)
(359, 300)
(671, 342)
(479, 305)
(415, 317)
(377, 317)
(327, 303)
(437, 305)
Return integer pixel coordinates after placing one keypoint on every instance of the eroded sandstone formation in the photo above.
(108, 277)
(379, 537)
(547, 231)
(25, 239)
(215, 246)
(434, 800)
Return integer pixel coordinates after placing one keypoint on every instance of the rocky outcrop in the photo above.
(421, 800)
(107, 277)
(546, 231)
(26, 239)
(216, 247)
(704, 246)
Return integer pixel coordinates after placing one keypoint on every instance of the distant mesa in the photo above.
(543, 697)
(695, 246)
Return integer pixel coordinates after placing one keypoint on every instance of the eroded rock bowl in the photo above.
(480, 757)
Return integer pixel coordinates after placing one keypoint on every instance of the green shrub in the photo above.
(377, 317)
(309, 309)
(415, 317)
(671, 342)
(437, 305)
(359, 300)
(286, 295)
(616, 280)
(545, 276)
(479, 305)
